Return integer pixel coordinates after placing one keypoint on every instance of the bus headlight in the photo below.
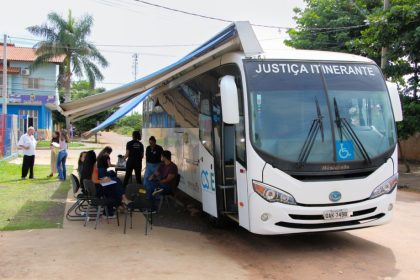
(386, 187)
(272, 194)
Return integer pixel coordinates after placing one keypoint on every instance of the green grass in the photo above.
(31, 203)
(46, 144)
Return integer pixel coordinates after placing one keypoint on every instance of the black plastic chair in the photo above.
(138, 203)
(77, 211)
(166, 196)
(99, 203)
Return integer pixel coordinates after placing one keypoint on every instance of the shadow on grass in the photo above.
(62, 190)
(37, 214)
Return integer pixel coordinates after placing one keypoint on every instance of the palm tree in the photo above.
(68, 38)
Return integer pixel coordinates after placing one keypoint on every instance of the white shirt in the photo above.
(63, 145)
(28, 142)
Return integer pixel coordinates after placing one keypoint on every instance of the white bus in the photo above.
(279, 141)
(283, 142)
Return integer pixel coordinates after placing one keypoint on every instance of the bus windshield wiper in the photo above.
(343, 123)
(310, 138)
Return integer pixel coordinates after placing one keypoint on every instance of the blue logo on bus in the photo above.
(335, 196)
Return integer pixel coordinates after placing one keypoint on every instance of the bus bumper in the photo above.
(278, 218)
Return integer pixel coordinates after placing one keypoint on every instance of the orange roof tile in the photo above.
(24, 54)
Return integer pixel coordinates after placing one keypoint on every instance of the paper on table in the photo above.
(108, 183)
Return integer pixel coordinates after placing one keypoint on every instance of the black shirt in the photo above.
(135, 150)
(102, 162)
(154, 156)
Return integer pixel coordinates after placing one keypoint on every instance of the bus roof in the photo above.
(311, 55)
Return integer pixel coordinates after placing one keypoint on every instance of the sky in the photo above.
(160, 36)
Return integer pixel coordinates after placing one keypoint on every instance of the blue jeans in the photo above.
(61, 164)
(150, 169)
(153, 185)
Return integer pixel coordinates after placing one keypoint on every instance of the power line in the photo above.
(110, 51)
(121, 45)
(231, 21)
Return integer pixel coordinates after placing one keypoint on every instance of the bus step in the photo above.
(233, 216)
(226, 187)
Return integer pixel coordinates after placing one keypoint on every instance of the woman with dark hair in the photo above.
(104, 161)
(80, 163)
(134, 155)
(54, 151)
(62, 155)
(90, 172)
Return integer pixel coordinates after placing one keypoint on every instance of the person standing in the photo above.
(153, 160)
(134, 155)
(54, 145)
(27, 142)
(62, 155)
(71, 131)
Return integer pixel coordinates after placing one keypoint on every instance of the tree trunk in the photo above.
(67, 93)
(407, 166)
(416, 81)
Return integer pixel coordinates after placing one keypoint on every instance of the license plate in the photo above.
(336, 214)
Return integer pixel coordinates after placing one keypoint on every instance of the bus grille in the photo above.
(331, 225)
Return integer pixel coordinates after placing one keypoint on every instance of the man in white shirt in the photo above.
(27, 142)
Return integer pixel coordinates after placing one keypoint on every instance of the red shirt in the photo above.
(164, 170)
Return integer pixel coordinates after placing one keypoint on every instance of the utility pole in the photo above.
(4, 91)
(135, 63)
(384, 50)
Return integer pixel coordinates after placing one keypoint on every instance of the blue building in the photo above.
(32, 94)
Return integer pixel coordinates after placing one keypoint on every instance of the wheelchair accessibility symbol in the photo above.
(344, 150)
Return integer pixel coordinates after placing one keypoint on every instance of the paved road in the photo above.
(184, 247)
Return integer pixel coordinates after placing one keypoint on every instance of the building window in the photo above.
(30, 120)
(33, 83)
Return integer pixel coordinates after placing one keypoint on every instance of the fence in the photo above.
(8, 135)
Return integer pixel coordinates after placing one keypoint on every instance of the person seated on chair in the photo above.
(164, 178)
(80, 163)
(90, 172)
(104, 162)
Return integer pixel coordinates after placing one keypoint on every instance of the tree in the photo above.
(134, 121)
(322, 25)
(331, 25)
(397, 29)
(82, 89)
(68, 38)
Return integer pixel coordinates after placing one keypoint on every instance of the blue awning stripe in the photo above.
(122, 111)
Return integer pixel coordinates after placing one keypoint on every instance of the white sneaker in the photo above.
(157, 191)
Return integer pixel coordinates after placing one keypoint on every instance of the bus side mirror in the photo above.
(395, 101)
(229, 99)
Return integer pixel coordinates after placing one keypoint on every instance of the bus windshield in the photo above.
(319, 112)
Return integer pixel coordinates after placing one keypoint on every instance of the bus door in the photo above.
(228, 178)
(224, 161)
(206, 157)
